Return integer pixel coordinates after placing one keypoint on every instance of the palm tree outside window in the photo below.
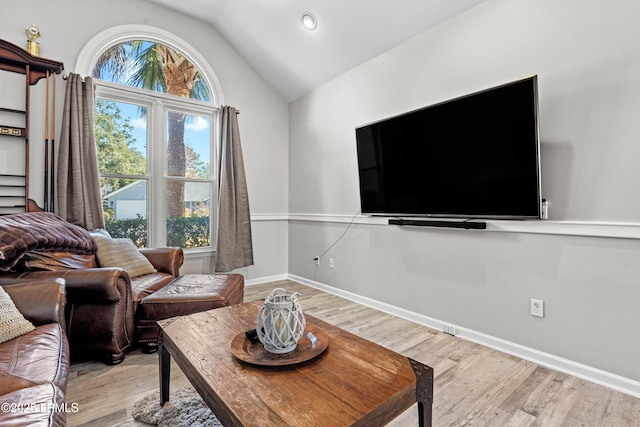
(154, 116)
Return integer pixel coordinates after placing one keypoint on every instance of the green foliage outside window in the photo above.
(115, 143)
(132, 228)
(189, 232)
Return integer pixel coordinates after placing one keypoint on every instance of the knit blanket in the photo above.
(44, 231)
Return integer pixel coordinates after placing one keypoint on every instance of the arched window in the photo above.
(155, 118)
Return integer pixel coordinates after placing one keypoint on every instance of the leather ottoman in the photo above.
(187, 294)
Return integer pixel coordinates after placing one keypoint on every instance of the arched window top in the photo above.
(100, 55)
(153, 66)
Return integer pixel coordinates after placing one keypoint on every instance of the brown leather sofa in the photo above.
(34, 367)
(101, 302)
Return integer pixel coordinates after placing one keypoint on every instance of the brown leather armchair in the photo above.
(34, 367)
(101, 302)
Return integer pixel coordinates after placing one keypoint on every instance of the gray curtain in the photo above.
(234, 249)
(79, 197)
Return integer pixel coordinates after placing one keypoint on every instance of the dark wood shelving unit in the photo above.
(14, 188)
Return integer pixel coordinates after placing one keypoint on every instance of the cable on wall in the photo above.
(339, 238)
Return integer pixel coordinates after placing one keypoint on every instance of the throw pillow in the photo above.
(122, 253)
(12, 322)
(100, 232)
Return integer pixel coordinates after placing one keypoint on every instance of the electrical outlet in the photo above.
(449, 329)
(317, 259)
(330, 262)
(537, 307)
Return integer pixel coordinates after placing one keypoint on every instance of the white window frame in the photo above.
(158, 104)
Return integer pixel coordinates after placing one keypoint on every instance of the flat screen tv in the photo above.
(476, 156)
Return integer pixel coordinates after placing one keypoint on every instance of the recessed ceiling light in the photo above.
(309, 21)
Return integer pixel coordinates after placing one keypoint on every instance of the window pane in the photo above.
(121, 138)
(188, 145)
(191, 228)
(125, 210)
(144, 64)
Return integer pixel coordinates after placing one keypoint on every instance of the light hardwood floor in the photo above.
(474, 385)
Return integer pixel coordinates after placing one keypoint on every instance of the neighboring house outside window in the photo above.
(155, 122)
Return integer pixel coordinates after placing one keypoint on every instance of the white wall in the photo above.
(586, 55)
(67, 25)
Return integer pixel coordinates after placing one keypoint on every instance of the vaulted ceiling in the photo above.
(270, 36)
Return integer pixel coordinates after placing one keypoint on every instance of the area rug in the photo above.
(185, 409)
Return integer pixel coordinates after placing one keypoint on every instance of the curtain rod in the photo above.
(66, 76)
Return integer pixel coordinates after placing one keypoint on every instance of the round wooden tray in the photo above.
(313, 342)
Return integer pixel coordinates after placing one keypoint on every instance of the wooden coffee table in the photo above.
(354, 382)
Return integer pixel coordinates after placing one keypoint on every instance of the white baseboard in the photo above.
(266, 279)
(588, 373)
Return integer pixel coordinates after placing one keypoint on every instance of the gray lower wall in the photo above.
(484, 280)
(270, 249)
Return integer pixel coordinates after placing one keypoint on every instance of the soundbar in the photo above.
(467, 225)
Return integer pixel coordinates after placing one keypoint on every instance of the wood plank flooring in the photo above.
(474, 385)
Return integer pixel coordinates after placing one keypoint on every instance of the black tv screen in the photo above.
(476, 156)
